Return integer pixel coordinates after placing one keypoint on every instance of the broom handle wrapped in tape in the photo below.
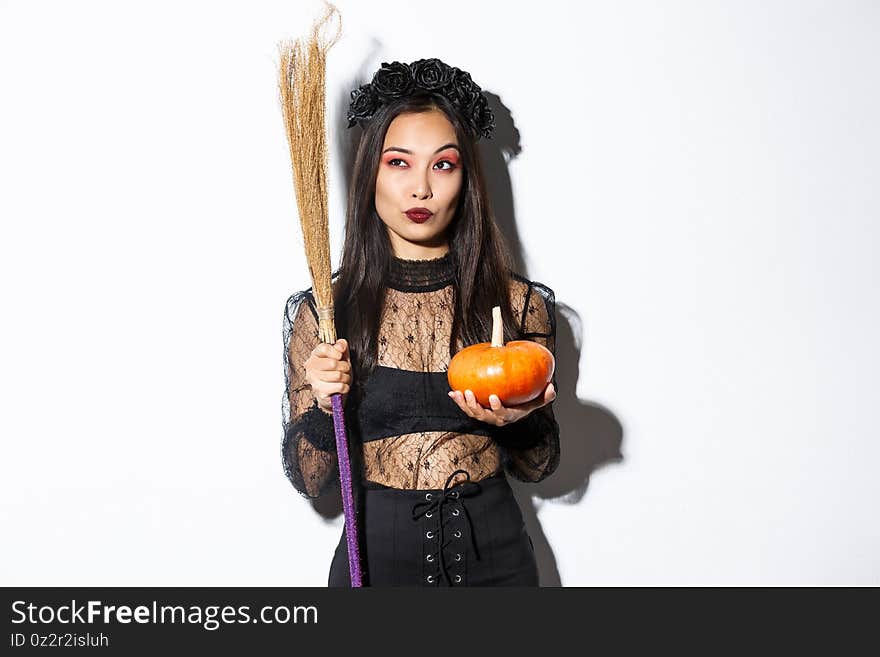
(327, 329)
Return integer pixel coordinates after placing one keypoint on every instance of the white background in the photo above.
(698, 182)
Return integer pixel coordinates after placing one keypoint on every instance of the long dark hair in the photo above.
(479, 253)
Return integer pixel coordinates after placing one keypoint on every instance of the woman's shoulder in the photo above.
(522, 287)
(534, 303)
(295, 300)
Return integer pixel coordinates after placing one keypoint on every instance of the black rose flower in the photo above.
(431, 74)
(485, 119)
(472, 101)
(393, 80)
(464, 92)
(363, 104)
(459, 84)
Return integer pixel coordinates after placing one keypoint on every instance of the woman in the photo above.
(423, 264)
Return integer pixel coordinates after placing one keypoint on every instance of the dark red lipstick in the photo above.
(419, 215)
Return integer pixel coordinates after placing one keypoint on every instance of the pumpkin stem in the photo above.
(497, 328)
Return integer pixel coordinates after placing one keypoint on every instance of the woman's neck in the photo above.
(429, 249)
(419, 252)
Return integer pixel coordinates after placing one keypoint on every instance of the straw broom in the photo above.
(301, 83)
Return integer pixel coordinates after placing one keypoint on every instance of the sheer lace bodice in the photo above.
(413, 341)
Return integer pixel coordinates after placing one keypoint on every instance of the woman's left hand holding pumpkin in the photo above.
(498, 414)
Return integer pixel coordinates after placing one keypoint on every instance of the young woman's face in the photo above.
(420, 168)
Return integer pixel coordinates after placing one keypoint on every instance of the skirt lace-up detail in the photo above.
(447, 507)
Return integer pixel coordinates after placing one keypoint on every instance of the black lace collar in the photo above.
(420, 275)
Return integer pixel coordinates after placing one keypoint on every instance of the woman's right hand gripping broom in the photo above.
(328, 371)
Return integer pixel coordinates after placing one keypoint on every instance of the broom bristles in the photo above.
(302, 90)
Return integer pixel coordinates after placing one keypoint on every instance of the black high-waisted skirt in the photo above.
(469, 534)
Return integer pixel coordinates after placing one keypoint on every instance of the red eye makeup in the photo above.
(451, 157)
(393, 161)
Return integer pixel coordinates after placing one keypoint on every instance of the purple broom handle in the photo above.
(351, 535)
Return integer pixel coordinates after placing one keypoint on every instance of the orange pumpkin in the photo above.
(517, 371)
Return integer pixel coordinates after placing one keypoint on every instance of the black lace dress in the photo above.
(435, 506)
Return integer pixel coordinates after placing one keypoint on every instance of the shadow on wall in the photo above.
(590, 435)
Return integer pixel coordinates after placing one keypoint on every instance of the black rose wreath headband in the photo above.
(396, 80)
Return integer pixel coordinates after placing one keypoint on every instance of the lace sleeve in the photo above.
(308, 448)
(531, 445)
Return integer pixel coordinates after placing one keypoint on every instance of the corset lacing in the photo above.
(434, 505)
